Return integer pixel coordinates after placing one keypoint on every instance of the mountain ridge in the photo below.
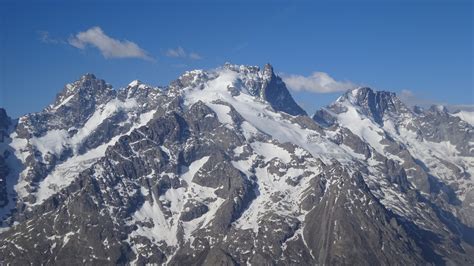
(223, 166)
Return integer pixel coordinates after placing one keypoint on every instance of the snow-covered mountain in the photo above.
(435, 148)
(223, 167)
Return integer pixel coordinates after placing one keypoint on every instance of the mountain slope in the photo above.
(68, 136)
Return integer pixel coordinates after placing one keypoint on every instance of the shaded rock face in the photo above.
(3, 182)
(4, 125)
(224, 168)
(276, 93)
(4, 119)
(337, 225)
(376, 104)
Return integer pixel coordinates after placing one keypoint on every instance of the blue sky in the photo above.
(423, 48)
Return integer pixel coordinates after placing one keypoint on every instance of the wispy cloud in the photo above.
(317, 82)
(195, 56)
(45, 37)
(411, 99)
(179, 52)
(108, 46)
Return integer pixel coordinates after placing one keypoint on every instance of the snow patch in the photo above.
(270, 151)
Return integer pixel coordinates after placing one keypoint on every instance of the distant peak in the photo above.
(241, 68)
(418, 109)
(87, 81)
(363, 95)
(373, 103)
(268, 68)
(87, 86)
(88, 76)
(134, 83)
(363, 92)
(438, 108)
(137, 84)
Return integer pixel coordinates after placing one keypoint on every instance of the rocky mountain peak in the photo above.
(135, 83)
(193, 78)
(364, 96)
(375, 104)
(88, 76)
(242, 69)
(268, 71)
(276, 93)
(138, 85)
(87, 89)
(89, 83)
(266, 85)
(262, 84)
(438, 108)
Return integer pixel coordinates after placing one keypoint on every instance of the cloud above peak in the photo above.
(179, 52)
(108, 46)
(317, 82)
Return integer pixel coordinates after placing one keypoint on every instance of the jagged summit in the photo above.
(135, 83)
(86, 89)
(438, 108)
(375, 104)
(88, 76)
(276, 92)
(252, 80)
(360, 95)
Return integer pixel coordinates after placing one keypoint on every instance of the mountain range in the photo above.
(223, 167)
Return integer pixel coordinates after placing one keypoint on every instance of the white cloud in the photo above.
(318, 82)
(181, 53)
(109, 47)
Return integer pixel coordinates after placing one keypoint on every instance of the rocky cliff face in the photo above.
(223, 167)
